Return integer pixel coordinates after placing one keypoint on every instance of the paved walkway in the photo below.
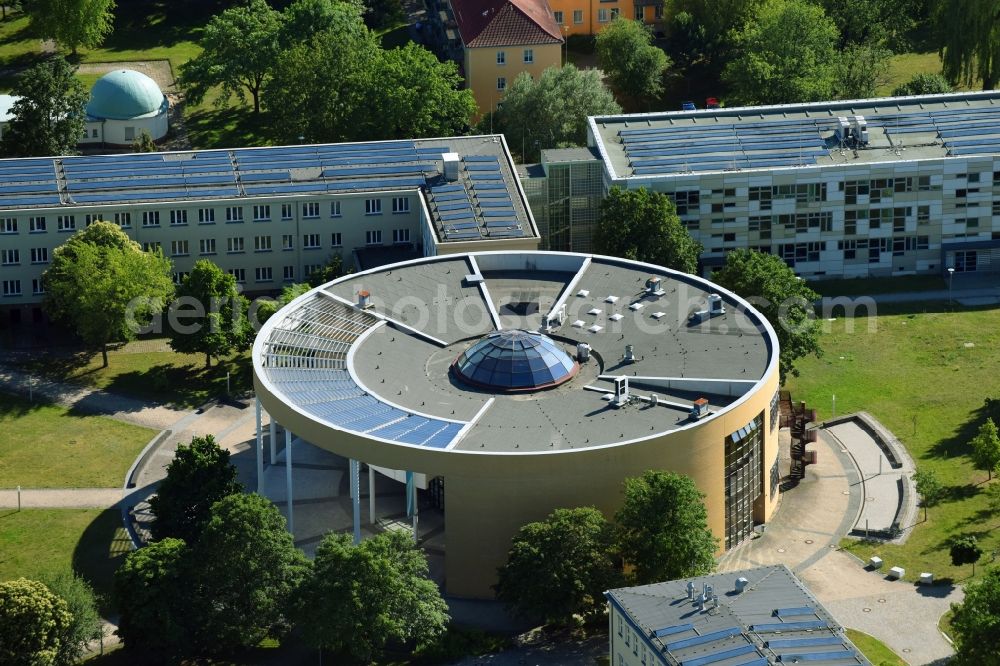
(804, 534)
(61, 498)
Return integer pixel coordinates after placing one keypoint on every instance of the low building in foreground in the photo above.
(754, 617)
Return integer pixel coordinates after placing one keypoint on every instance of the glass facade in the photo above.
(515, 360)
(744, 477)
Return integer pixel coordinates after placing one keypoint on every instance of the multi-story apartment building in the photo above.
(879, 187)
(495, 40)
(269, 216)
(588, 17)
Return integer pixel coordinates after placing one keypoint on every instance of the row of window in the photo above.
(528, 55)
(605, 15)
(261, 273)
(13, 287)
(179, 217)
(237, 244)
(12, 257)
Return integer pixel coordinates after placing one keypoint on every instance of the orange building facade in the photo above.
(588, 17)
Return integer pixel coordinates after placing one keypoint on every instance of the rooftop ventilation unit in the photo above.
(699, 409)
(556, 319)
(451, 163)
(629, 356)
(621, 395)
(582, 352)
(859, 128)
(653, 286)
(843, 130)
(716, 307)
(364, 299)
(690, 589)
(741, 584)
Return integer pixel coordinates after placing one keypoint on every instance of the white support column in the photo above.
(416, 512)
(355, 472)
(371, 495)
(273, 432)
(260, 451)
(288, 479)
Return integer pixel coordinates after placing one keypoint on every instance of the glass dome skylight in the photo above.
(515, 360)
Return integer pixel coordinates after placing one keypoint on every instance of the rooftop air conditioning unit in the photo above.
(364, 299)
(451, 163)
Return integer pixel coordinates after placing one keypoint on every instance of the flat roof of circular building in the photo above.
(125, 94)
(384, 370)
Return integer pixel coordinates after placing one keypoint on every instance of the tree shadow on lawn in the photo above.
(958, 444)
(102, 547)
(13, 406)
(174, 385)
(150, 23)
(227, 127)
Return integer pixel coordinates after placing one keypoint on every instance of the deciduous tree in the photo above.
(986, 448)
(73, 23)
(644, 226)
(929, 488)
(630, 60)
(662, 528)
(240, 47)
(861, 70)
(144, 143)
(784, 299)
(85, 624)
(785, 53)
(875, 22)
(155, 597)
(965, 550)
(383, 14)
(969, 34)
(48, 115)
(247, 569)
(200, 475)
(105, 286)
(211, 314)
(559, 568)
(551, 111)
(359, 597)
(33, 622)
(976, 622)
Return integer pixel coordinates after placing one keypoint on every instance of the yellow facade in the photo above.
(489, 70)
(588, 17)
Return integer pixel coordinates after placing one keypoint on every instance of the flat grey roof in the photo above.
(486, 184)
(423, 314)
(574, 154)
(775, 619)
(797, 135)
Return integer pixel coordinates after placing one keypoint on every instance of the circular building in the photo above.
(123, 104)
(521, 382)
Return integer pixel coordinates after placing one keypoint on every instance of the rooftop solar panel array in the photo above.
(306, 359)
(481, 207)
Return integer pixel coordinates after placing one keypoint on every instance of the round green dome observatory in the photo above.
(124, 104)
(515, 360)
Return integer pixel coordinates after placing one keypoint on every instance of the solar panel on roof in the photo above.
(456, 205)
(507, 233)
(720, 656)
(461, 225)
(353, 172)
(485, 175)
(265, 176)
(501, 224)
(479, 158)
(446, 188)
(672, 630)
(451, 196)
(501, 212)
(290, 188)
(459, 235)
(488, 186)
(499, 193)
(843, 655)
(483, 166)
(382, 183)
(19, 202)
(458, 215)
(803, 642)
(789, 626)
(432, 149)
(710, 637)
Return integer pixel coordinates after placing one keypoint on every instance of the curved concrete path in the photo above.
(804, 534)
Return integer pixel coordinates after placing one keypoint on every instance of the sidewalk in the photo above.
(62, 498)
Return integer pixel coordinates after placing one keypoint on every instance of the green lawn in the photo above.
(48, 446)
(163, 377)
(37, 542)
(877, 652)
(925, 373)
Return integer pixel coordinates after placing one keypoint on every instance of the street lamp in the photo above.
(951, 278)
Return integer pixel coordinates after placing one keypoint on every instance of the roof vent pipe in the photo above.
(690, 589)
(741, 584)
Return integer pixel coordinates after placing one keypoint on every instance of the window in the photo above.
(36, 225)
(310, 210)
(234, 244)
(614, 13)
(37, 286)
(152, 246)
(602, 15)
(123, 220)
(334, 209)
(206, 216)
(373, 206)
(288, 273)
(234, 214)
(529, 56)
(501, 83)
(658, 12)
(373, 237)
(400, 235)
(501, 57)
(262, 243)
(180, 276)
(8, 225)
(923, 214)
(559, 17)
(239, 273)
(578, 16)
(90, 218)
(39, 255)
(150, 218)
(93, 134)
(400, 205)
(310, 241)
(130, 133)
(263, 274)
(178, 218)
(206, 246)
(286, 211)
(287, 242)
(639, 16)
(66, 223)
(10, 257)
(11, 287)
(336, 240)
(179, 248)
(309, 269)
(261, 213)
